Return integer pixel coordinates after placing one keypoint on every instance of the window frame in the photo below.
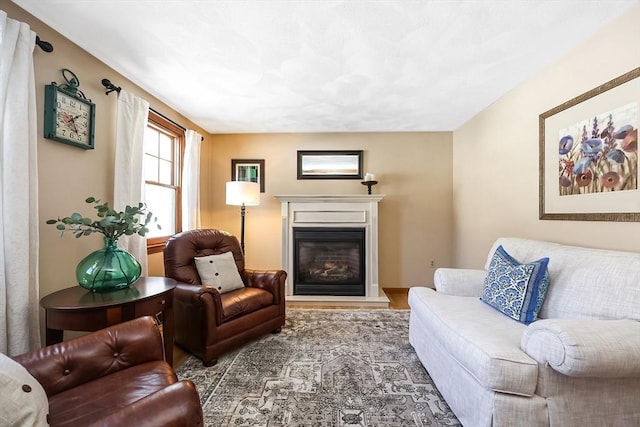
(156, 120)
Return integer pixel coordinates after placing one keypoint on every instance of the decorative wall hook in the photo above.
(72, 84)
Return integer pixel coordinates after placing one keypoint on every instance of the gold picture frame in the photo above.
(588, 154)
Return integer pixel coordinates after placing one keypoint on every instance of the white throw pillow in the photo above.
(219, 271)
(23, 401)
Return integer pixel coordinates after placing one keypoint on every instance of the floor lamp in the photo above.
(243, 193)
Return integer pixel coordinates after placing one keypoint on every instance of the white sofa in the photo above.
(577, 365)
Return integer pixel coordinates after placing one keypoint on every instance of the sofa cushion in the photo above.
(219, 272)
(244, 301)
(516, 290)
(23, 401)
(482, 340)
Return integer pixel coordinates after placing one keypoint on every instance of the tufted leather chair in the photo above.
(208, 323)
(114, 377)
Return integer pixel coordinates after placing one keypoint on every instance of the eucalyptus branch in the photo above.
(111, 223)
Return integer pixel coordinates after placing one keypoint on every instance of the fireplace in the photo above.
(334, 240)
(329, 261)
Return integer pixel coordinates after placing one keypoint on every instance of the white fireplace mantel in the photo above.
(341, 210)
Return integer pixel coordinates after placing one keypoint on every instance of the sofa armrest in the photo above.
(175, 405)
(585, 348)
(269, 280)
(459, 281)
(68, 364)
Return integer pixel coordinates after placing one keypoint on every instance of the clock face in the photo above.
(68, 117)
(73, 119)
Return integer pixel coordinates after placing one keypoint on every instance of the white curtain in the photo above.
(191, 181)
(19, 239)
(131, 123)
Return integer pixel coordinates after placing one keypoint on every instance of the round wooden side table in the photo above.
(76, 309)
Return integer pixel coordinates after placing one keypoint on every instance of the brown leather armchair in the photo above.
(208, 323)
(114, 377)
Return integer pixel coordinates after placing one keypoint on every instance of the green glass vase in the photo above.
(108, 269)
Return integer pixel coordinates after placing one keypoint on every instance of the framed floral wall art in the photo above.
(589, 154)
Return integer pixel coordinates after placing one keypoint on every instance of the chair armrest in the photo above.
(194, 294)
(68, 364)
(269, 280)
(585, 348)
(196, 305)
(459, 281)
(175, 405)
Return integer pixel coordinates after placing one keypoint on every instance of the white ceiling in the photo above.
(243, 66)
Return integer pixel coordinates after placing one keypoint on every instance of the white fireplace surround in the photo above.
(330, 211)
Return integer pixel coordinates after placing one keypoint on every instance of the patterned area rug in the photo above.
(326, 368)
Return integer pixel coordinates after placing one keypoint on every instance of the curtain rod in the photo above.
(113, 88)
(168, 119)
(172, 121)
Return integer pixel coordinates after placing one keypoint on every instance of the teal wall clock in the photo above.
(69, 116)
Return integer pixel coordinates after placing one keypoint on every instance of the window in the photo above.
(163, 151)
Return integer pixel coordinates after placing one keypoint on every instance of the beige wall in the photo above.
(496, 153)
(426, 214)
(67, 175)
(413, 169)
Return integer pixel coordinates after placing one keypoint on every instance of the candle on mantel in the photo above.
(369, 177)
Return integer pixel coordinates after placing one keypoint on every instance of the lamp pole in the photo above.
(243, 194)
(242, 213)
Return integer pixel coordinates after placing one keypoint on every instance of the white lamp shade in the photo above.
(243, 193)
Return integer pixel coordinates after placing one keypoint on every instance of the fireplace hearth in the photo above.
(329, 261)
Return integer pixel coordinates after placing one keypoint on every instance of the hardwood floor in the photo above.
(179, 356)
(397, 301)
(397, 298)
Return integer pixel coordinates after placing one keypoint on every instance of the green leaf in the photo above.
(61, 227)
(110, 219)
(90, 199)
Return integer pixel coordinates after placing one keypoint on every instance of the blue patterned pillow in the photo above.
(516, 289)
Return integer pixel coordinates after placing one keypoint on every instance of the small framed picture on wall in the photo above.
(251, 170)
